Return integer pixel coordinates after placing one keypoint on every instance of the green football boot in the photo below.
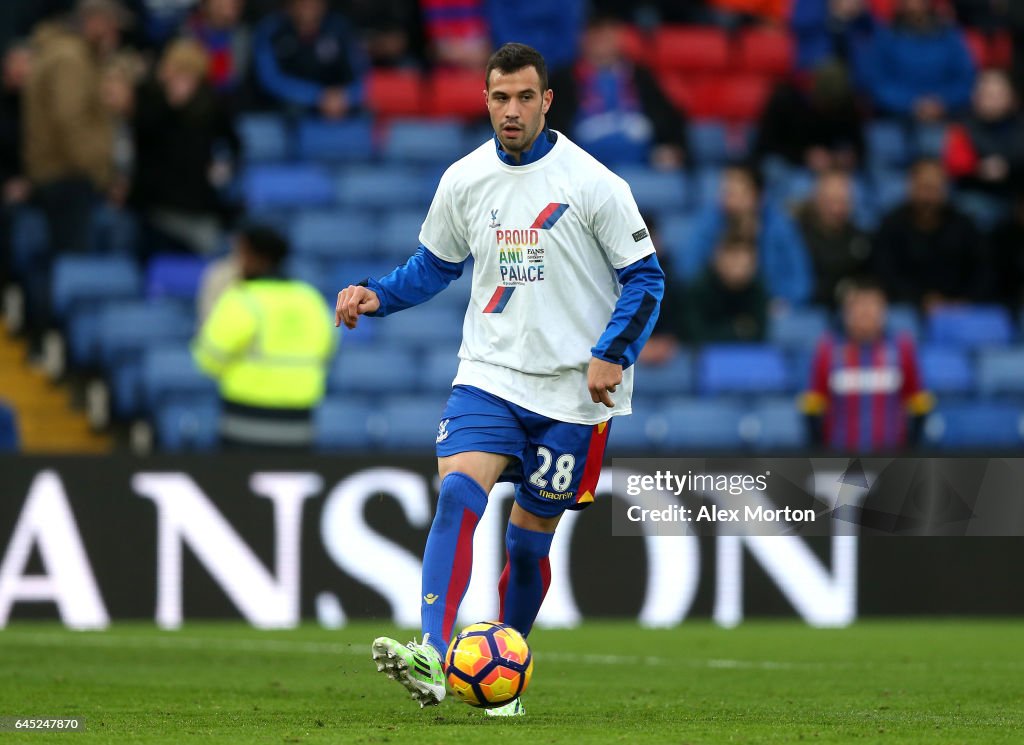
(513, 708)
(416, 666)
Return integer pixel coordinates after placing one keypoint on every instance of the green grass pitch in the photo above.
(949, 681)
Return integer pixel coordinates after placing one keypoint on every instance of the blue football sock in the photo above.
(448, 556)
(524, 583)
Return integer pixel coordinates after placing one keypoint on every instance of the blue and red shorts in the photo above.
(555, 464)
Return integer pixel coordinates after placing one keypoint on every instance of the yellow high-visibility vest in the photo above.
(268, 342)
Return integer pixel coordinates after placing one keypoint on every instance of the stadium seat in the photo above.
(425, 142)
(169, 373)
(395, 93)
(656, 191)
(635, 45)
(971, 326)
(946, 369)
(439, 370)
(372, 370)
(408, 422)
(129, 327)
(288, 186)
(779, 425)
(716, 143)
(671, 235)
(887, 144)
(264, 137)
(332, 234)
(741, 368)
(30, 237)
(175, 276)
(703, 424)
(336, 142)
(383, 188)
(674, 378)
(637, 433)
(1001, 371)
(92, 279)
(798, 328)
(902, 318)
(342, 422)
(990, 50)
(741, 98)
(456, 93)
(890, 189)
(8, 429)
(988, 424)
(691, 49)
(707, 185)
(929, 140)
(766, 52)
(400, 233)
(424, 327)
(188, 425)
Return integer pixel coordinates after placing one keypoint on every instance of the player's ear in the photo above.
(549, 96)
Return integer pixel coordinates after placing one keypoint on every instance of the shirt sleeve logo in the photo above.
(639, 235)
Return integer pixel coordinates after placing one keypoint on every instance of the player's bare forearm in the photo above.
(354, 301)
(602, 379)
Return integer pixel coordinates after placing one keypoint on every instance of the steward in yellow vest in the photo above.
(268, 342)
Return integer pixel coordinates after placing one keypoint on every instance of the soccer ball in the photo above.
(488, 664)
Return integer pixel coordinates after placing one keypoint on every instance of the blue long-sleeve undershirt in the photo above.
(414, 282)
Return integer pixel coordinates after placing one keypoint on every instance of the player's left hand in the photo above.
(603, 378)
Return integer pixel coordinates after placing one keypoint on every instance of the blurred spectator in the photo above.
(457, 33)
(817, 126)
(782, 257)
(217, 25)
(728, 302)
(865, 393)
(838, 249)
(614, 109)
(178, 125)
(982, 14)
(307, 58)
(986, 152)
(69, 131)
(391, 30)
(160, 20)
(268, 342)
(732, 11)
(552, 28)
(17, 66)
(1008, 256)
(926, 251)
(829, 30)
(919, 66)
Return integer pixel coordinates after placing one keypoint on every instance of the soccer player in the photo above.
(566, 290)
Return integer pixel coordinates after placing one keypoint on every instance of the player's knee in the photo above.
(460, 491)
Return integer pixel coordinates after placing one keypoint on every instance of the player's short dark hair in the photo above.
(266, 242)
(511, 57)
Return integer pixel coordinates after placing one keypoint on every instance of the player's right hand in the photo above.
(354, 301)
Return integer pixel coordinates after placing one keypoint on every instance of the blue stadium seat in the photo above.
(288, 186)
(439, 370)
(890, 189)
(1001, 371)
(174, 276)
(639, 432)
(333, 234)
(887, 144)
(343, 422)
(425, 142)
(345, 141)
(92, 279)
(8, 429)
(703, 424)
(714, 143)
(264, 137)
(799, 362)
(929, 140)
(113, 231)
(169, 373)
(779, 424)
(408, 422)
(424, 327)
(384, 188)
(741, 368)
(400, 233)
(798, 328)
(671, 235)
(903, 319)
(126, 328)
(946, 369)
(988, 424)
(373, 370)
(188, 425)
(674, 378)
(655, 191)
(706, 186)
(30, 237)
(971, 326)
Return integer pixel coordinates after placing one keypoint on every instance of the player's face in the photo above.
(517, 107)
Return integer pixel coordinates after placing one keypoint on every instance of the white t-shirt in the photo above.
(546, 239)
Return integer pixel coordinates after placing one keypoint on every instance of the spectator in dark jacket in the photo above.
(816, 126)
(391, 30)
(1008, 256)
(728, 302)
(986, 152)
(614, 109)
(838, 248)
(552, 28)
(926, 252)
(178, 124)
(308, 59)
(829, 30)
(919, 66)
(217, 25)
